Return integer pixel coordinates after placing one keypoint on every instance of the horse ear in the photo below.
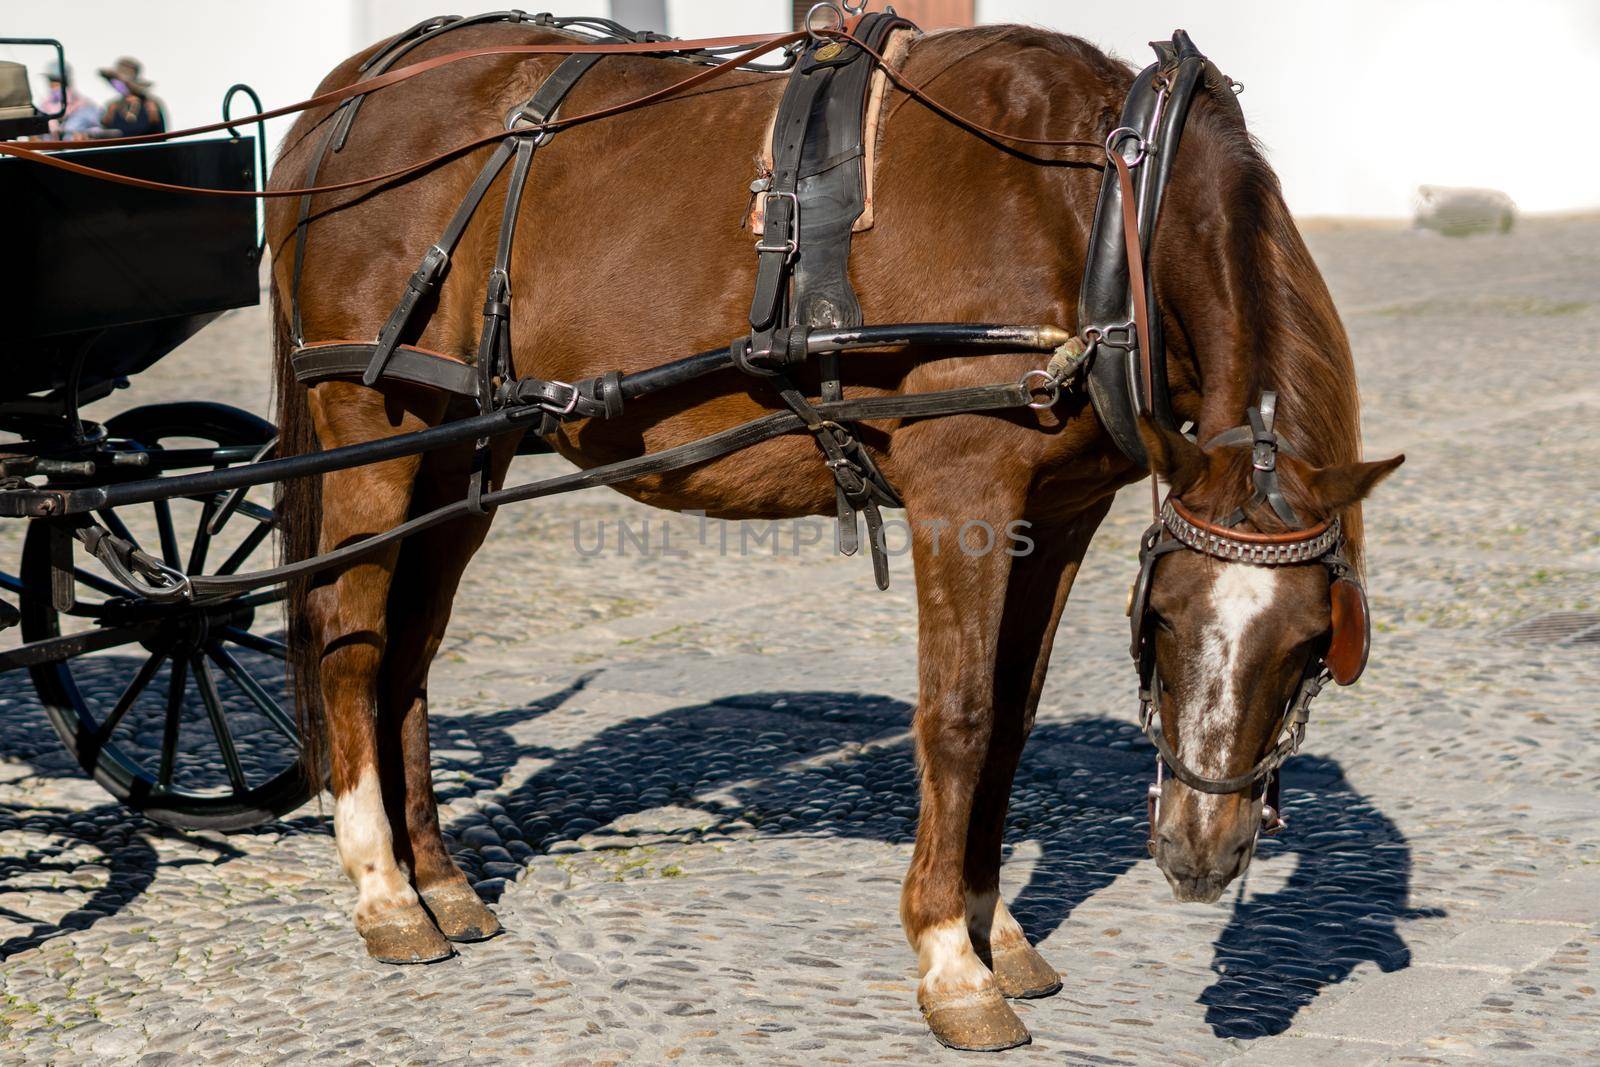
(1173, 456)
(1340, 486)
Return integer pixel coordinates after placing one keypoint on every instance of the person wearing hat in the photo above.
(82, 115)
(134, 111)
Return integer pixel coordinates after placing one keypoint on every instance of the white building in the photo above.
(1358, 102)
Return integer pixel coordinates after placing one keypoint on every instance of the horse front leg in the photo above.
(1037, 592)
(960, 595)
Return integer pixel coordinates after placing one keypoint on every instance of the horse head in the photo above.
(1240, 609)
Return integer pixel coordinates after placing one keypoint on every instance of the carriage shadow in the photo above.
(809, 764)
(63, 870)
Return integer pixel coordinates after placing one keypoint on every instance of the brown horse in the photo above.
(630, 250)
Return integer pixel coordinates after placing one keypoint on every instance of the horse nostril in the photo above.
(1238, 857)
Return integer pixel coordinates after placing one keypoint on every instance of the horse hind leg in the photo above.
(1036, 594)
(346, 619)
(420, 599)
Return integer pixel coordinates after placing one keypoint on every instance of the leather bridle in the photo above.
(1341, 658)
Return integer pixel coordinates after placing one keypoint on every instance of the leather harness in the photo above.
(803, 306)
(811, 201)
(1128, 366)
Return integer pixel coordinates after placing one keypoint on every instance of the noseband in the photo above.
(1177, 529)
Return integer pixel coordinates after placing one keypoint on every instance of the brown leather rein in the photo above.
(758, 45)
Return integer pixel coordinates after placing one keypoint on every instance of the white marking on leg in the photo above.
(366, 849)
(988, 919)
(1209, 721)
(947, 963)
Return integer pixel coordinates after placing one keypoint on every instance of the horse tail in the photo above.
(299, 509)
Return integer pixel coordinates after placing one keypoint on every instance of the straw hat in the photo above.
(126, 70)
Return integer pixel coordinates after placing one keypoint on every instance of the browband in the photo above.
(1265, 550)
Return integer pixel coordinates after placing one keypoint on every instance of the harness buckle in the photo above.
(572, 400)
(1124, 335)
(791, 245)
(434, 261)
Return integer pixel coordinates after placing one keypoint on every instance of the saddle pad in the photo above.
(894, 52)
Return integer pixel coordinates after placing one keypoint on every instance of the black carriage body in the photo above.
(130, 273)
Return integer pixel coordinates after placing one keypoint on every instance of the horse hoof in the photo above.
(975, 1022)
(1021, 973)
(459, 914)
(405, 936)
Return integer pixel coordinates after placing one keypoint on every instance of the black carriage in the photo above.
(179, 709)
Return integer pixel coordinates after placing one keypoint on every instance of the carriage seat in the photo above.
(18, 116)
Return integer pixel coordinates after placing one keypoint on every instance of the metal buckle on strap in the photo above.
(434, 261)
(572, 399)
(792, 244)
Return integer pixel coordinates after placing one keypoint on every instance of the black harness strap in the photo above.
(344, 118)
(320, 363)
(435, 261)
(302, 230)
(1147, 136)
(811, 202)
(777, 424)
(494, 342)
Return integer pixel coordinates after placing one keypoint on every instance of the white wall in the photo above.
(192, 49)
(1358, 102)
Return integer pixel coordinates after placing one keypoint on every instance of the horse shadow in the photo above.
(809, 764)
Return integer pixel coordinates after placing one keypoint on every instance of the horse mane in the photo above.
(1291, 339)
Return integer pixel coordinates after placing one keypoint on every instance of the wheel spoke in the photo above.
(169, 537)
(169, 733)
(219, 723)
(202, 541)
(247, 546)
(228, 505)
(146, 672)
(256, 643)
(114, 523)
(252, 689)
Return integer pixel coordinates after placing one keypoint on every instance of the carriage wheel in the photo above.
(189, 720)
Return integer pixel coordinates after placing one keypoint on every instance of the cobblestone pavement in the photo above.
(694, 810)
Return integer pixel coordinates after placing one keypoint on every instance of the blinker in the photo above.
(1352, 631)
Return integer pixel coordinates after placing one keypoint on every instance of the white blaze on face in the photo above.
(1213, 707)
